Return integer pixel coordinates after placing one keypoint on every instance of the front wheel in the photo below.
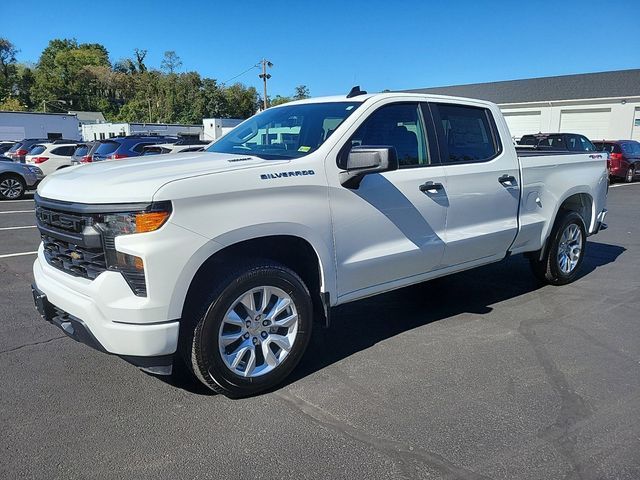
(12, 187)
(252, 330)
(564, 254)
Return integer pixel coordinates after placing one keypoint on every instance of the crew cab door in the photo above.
(482, 179)
(391, 226)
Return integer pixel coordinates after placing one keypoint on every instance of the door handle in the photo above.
(431, 187)
(507, 180)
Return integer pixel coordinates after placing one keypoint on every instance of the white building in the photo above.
(603, 105)
(101, 131)
(214, 128)
(20, 125)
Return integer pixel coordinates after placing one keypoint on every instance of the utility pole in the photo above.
(265, 76)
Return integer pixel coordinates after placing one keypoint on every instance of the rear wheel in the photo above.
(251, 331)
(12, 187)
(630, 174)
(564, 254)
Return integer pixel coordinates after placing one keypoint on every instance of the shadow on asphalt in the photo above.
(359, 325)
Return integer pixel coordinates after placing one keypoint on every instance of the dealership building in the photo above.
(604, 105)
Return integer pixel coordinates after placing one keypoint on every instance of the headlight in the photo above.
(112, 225)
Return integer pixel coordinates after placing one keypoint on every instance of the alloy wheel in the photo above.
(258, 331)
(570, 248)
(11, 188)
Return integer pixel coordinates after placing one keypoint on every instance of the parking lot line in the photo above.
(18, 211)
(8, 255)
(17, 228)
(15, 201)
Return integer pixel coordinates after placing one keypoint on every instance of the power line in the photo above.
(257, 65)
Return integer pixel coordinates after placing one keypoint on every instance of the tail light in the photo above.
(614, 160)
(39, 159)
(117, 156)
(21, 152)
(86, 159)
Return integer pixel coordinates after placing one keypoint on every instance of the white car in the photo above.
(225, 259)
(51, 156)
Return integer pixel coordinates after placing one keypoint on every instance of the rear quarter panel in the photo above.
(546, 182)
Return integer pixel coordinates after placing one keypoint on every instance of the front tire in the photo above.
(12, 187)
(564, 253)
(251, 330)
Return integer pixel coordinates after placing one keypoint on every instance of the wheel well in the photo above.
(293, 252)
(580, 203)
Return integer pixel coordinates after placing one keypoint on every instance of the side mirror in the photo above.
(364, 160)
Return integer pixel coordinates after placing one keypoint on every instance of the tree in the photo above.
(140, 56)
(61, 73)
(171, 62)
(301, 92)
(279, 100)
(8, 53)
(12, 104)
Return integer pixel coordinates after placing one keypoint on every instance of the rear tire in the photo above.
(12, 187)
(630, 175)
(564, 252)
(250, 331)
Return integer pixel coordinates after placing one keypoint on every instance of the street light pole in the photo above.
(265, 76)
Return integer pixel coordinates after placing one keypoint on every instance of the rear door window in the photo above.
(466, 133)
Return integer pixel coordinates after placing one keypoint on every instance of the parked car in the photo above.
(124, 147)
(5, 159)
(5, 146)
(51, 156)
(20, 149)
(225, 259)
(624, 158)
(164, 148)
(557, 141)
(16, 178)
(83, 152)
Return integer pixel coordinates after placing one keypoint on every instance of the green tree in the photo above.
(301, 92)
(279, 100)
(12, 104)
(62, 73)
(8, 69)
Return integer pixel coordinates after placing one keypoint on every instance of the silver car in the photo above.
(16, 178)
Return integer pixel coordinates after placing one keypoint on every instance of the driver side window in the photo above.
(399, 126)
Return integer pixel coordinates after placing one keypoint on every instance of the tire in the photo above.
(244, 366)
(628, 178)
(561, 261)
(12, 187)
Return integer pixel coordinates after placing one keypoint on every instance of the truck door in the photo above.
(391, 227)
(482, 179)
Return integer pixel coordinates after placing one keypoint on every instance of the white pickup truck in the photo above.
(224, 259)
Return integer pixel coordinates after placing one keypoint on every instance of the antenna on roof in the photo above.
(355, 91)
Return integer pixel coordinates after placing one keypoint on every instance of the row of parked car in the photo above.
(34, 158)
(24, 163)
(624, 155)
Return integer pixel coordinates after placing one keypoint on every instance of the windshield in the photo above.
(285, 132)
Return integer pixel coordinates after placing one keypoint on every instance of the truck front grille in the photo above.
(72, 259)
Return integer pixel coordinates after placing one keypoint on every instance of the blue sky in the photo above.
(332, 45)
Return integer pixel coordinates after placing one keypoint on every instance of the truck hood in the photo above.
(138, 179)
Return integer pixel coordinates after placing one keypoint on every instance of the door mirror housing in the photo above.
(364, 160)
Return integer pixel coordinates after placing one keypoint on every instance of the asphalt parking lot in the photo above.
(479, 375)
